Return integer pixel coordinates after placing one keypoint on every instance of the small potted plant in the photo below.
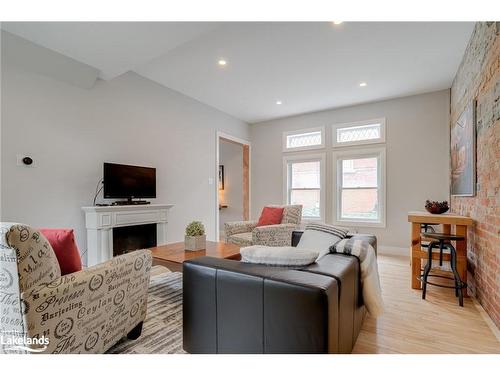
(195, 238)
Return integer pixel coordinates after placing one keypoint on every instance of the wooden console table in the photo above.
(460, 224)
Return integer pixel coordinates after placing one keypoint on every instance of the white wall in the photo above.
(231, 157)
(417, 156)
(70, 131)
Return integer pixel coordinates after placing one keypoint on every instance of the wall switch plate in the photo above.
(20, 162)
(210, 181)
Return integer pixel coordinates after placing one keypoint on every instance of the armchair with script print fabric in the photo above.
(82, 312)
(247, 233)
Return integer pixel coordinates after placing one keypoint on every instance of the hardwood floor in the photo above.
(412, 325)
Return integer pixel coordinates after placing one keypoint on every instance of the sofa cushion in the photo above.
(64, 245)
(320, 237)
(292, 214)
(241, 239)
(270, 216)
(278, 256)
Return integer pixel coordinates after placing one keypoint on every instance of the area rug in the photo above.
(162, 330)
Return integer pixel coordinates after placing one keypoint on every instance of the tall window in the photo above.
(360, 181)
(304, 184)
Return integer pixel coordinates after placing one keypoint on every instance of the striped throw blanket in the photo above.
(370, 282)
(327, 228)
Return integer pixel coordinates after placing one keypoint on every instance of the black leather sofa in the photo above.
(236, 307)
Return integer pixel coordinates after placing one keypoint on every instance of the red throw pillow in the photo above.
(270, 216)
(64, 245)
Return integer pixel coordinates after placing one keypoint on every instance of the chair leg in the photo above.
(135, 332)
(458, 281)
(427, 269)
(441, 246)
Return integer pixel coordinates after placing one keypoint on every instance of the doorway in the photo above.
(233, 184)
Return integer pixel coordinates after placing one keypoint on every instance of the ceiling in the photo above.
(308, 66)
(112, 47)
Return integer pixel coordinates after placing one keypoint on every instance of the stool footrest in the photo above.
(461, 286)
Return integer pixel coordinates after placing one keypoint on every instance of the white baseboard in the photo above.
(392, 250)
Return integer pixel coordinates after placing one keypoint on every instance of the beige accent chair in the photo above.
(247, 233)
(82, 312)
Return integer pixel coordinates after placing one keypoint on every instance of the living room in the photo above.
(164, 182)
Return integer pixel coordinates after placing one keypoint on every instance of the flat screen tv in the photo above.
(128, 181)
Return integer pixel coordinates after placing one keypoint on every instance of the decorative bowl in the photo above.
(436, 207)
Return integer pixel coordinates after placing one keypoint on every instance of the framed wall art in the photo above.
(463, 153)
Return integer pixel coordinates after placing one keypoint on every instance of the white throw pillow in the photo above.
(278, 256)
(321, 237)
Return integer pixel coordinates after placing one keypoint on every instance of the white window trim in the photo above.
(360, 152)
(309, 130)
(321, 157)
(380, 121)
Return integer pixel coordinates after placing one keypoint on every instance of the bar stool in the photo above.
(426, 228)
(442, 240)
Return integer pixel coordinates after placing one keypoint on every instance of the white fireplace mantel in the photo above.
(100, 221)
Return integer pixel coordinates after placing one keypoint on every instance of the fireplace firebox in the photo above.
(133, 237)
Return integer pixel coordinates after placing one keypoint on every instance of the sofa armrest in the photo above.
(273, 235)
(90, 310)
(236, 227)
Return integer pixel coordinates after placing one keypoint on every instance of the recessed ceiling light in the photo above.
(279, 102)
(362, 84)
(222, 62)
(337, 22)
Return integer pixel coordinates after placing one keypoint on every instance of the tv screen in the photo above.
(128, 181)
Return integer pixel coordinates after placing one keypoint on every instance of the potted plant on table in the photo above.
(195, 238)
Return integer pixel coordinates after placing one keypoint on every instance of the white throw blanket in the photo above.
(370, 282)
(361, 249)
(278, 256)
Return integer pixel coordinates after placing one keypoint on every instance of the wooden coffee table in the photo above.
(173, 255)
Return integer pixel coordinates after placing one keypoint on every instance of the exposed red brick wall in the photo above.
(478, 77)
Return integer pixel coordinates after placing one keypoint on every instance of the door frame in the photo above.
(246, 148)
